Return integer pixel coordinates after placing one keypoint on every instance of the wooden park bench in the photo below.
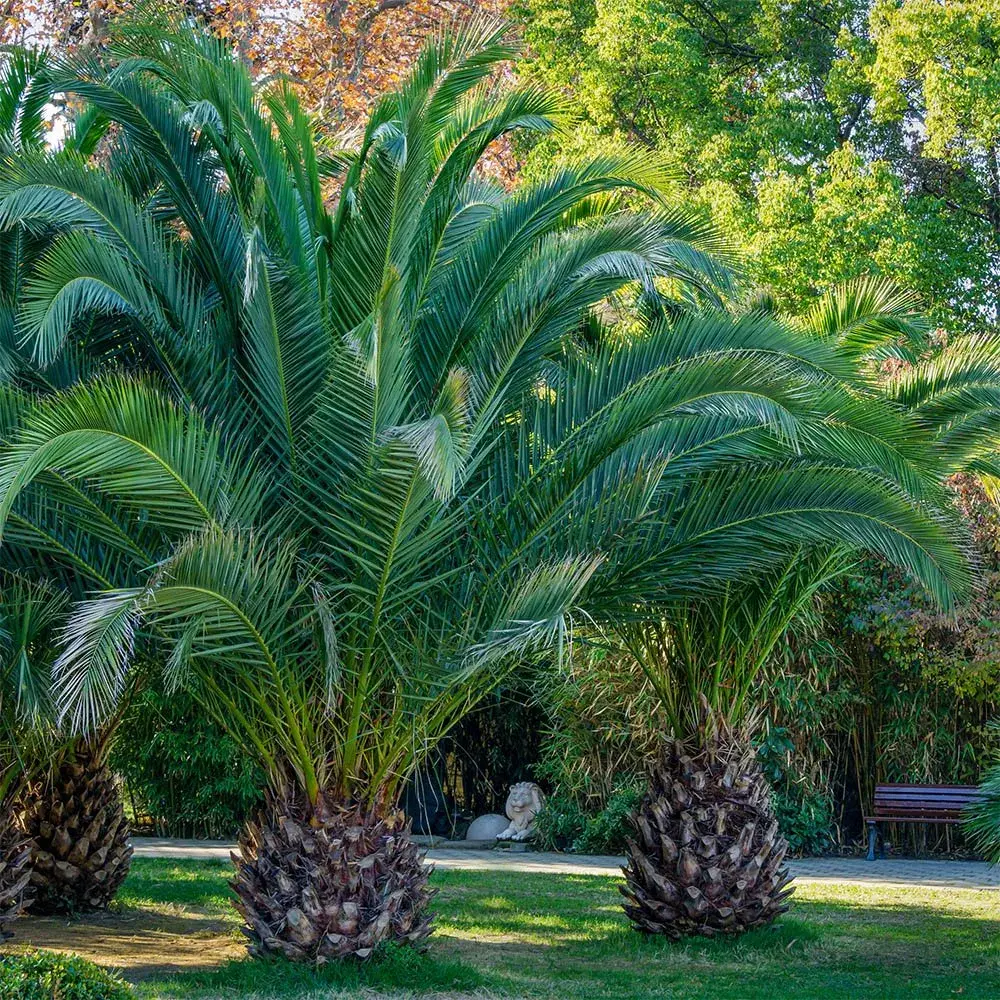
(917, 804)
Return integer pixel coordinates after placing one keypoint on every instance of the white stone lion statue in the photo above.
(523, 804)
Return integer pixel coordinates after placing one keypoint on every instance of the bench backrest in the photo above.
(929, 802)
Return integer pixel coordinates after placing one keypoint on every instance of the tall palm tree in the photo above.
(354, 463)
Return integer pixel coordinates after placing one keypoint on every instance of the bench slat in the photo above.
(951, 821)
(926, 792)
(912, 797)
(918, 784)
(926, 788)
(912, 804)
(919, 811)
(906, 803)
(949, 793)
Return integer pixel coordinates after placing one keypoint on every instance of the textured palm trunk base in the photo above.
(79, 837)
(329, 883)
(15, 873)
(707, 858)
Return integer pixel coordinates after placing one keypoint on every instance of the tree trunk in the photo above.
(15, 871)
(707, 858)
(329, 882)
(79, 837)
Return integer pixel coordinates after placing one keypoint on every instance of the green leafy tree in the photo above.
(364, 460)
(830, 140)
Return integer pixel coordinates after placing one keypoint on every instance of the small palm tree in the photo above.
(29, 613)
(344, 467)
(72, 812)
(982, 821)
(708, 857)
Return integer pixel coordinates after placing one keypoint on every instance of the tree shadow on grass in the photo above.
(140, 943)
(195, 955)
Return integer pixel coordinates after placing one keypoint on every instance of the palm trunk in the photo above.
(79, 836)
(15, 871)
(707, 858)
(323, 882)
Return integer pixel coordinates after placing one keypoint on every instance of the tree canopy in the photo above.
(829, 139)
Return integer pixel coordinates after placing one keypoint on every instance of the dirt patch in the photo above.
(140, 943)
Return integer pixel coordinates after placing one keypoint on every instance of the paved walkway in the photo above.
(959, 874)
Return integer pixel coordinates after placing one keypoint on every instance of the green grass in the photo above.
(505, 934)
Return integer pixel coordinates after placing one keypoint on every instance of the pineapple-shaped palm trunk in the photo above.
(15, 871)
(329, 881)
(73, 816)
(707, 857)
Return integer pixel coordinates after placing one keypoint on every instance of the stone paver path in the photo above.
(189, 850)
(959, 874)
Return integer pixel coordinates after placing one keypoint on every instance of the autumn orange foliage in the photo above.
(341, 54)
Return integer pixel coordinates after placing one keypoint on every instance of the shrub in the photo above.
(603, 731)
(564, 825)
(182, 772)
(43, 975)
(804, 812)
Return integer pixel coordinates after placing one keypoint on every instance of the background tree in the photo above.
(802, 126)
(341, 55)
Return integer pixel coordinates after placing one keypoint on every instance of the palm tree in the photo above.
(955, 395)
(28, 615)
(982, 820)
(708, 857)
(72, 811)
(353, 464)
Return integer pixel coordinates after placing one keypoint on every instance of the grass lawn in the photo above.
(507, 934)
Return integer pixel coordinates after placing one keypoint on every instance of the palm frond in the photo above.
(870, 319)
